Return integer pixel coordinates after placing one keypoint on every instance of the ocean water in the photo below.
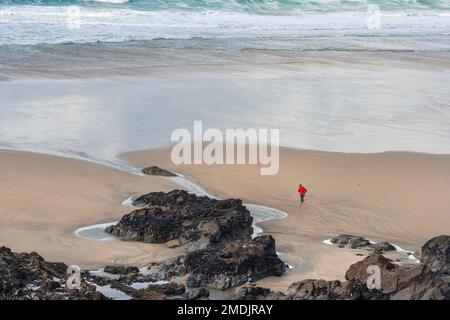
(335, 86)
(78, 21)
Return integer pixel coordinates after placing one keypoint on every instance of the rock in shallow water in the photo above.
(195, 222)
(353, 241)
(357, 242)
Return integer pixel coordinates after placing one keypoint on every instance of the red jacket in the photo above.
(302, 190)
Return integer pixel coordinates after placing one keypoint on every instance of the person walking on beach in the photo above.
(302, 192)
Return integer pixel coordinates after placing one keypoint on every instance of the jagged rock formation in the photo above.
(311, 289)
(167, 269)
(252, 293)
(406, 282)
(428, 280)
(157, 171)
(196, 294)
(234, 264)
(221, 267)
(194, 222)
(26, 276)
(436, 254)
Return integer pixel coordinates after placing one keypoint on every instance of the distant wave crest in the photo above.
(265, 6)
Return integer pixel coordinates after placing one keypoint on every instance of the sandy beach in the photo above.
(397, 197)
(45, 199)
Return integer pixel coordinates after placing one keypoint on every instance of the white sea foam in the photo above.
(48, 24)
(128, 202)
(96, 232)
(111, 1)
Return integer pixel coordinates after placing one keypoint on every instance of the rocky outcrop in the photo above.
(170, 290)
(167, 269)
(357, 242)
(252, 293)
(406, 282)
(192, 221)
(436, 254)
(234, 264)
(221, 267)
(196, 294)
(121, 270)
(157, 171)
(312, 289)
(381, 247)
(350, 240)
(409, 282)
(27, 276)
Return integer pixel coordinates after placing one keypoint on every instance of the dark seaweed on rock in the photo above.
(157, 171)
(436, 254)
(234, 264)
(27, 276)
(195, 222)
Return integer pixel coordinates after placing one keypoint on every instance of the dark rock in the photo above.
(234, 264)
(152, 292)
(159, 291)
(382, 247)
(169, 289)
(387, 268)
(252, 293)
(418, 282)
(121, 269)
(26, 276)
(157, 171)
(167, 269)
(354, 241)
(436, 254)
(196, 294)
(196, 222)
(197, 280)
(401, 282)
(407, 282)
(312, 289)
